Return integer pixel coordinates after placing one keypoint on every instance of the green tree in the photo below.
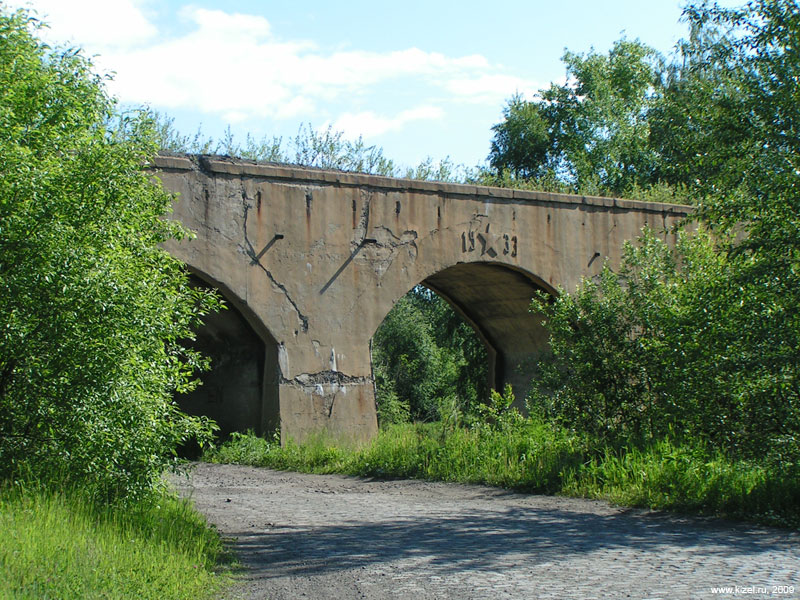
(703, 340)
(461, 345)
(522, 143)
(699, 124)
(409, 362)
(92, 311)
(425, 354)
(727, 114)
(762, 214)
(748, 185)
(591, 132)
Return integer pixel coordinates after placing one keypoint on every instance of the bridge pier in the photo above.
(345, 411)
(315, 395)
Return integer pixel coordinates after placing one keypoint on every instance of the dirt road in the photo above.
(330, 537)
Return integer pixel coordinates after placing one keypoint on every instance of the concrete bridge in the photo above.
(311, 262)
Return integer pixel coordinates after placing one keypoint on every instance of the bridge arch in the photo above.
(494, 299)
(240, 390)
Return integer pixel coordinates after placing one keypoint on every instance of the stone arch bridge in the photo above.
(311, 261)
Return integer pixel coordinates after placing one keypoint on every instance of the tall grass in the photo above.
(58, 544)
(691, 478)
(532, 455)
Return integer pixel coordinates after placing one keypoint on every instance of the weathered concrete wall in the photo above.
(316, 259)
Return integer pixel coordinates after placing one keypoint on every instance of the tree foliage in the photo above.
(424, 354)
(663, 348)
(704, 340)
(591, 132)
(92, 311)
(721, 112)
(523, 143)
(727, 114)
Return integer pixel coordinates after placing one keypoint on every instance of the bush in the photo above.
(674, 344)
(92, 311)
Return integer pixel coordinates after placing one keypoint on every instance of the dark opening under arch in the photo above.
(240, 391)
(495, 299)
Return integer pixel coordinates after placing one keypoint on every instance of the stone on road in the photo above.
(330, 536)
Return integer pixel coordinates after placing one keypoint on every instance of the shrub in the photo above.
(92, 311)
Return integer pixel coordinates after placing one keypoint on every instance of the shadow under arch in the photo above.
(240, 390)
(494, 298)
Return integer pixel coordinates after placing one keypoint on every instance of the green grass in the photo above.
(530, 455)
(59, 545)
(685, 478)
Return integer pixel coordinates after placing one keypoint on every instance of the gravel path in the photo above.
(330, 537)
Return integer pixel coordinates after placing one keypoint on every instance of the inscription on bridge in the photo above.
(488, 243)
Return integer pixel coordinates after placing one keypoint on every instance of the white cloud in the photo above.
(227, 64)
(236, 67)
(227, 28)
(233, 117)
(296, 107)
(370, 124)
(232, 64)
(94, 24)
(489, 88)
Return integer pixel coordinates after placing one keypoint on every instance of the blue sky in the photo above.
(416, 78)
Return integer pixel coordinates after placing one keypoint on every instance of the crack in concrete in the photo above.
(324, 377)
(385, 239)
(408, 238)
(251, 252)
(384, 246)
(314, 382)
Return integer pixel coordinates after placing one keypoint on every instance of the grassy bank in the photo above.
(532, 456)
(59, 545)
